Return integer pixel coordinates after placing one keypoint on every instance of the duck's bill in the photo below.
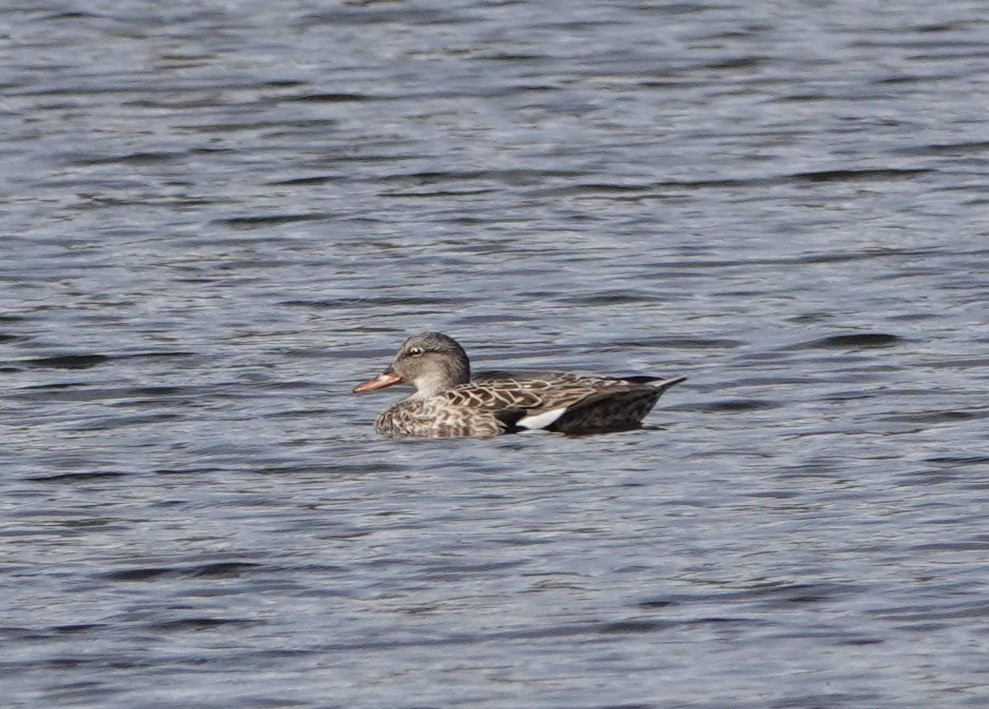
(385, 380)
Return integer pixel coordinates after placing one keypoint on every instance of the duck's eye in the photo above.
(415, 351)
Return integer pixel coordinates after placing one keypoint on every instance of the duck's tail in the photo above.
(665, 384)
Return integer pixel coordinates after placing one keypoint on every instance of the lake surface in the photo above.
(218, 217)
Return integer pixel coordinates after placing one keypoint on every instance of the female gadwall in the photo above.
(448, 404)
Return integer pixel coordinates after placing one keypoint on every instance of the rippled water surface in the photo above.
(219, 216)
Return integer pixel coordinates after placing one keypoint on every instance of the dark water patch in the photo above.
(87, 663)
(78, 477)
(720, 183)
(849, 342)
(730, 406)
(315, 180)
(435, 193)
(927, 477)
(428, 177)
(953, 546)
(632, 627)
(573, 630)
(960, 149)
(709, 264)
(801, 97)
(368, 158)
(867, 253)
(931, 613)
(819, 700)
(935, 417)
(940, 27)
(959, 460)
(628, 627)
(282, 83)
(163, 354)
(451, 571)
(82, 693)
(961, 363)
(759, 359)
(768, 595)
(749, 62)
(302, 413)
(915, 317)
(80, 361)
(309, 570)
(138, 158)
(870, 175)
(512, 177)
(853, 642)
(468, 220)
(11, 633)
(801, 594)
(272, 128)
(192, 470)
(775, 494)
(184, 624)
(118, 396)
(223, 569)
(501, 56)
(328, 97)
(567, 25)
(901, 79)
(859, 175)
(363, 14)
(270, 220)
(611, 298)
(111, 423)
(226, 569)
(141, 574)
(333, 470)
(373, 301)
(593, 189)
(155, 391)
(674, 8)
(71, 15)
(679, 343)
(472, 321)
(848, 396)
(657, 604)
(78, 628)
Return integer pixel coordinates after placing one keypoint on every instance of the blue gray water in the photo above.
(218, 217)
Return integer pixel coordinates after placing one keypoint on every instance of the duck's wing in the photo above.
(559, 401)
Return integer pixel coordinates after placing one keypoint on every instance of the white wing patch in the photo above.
(538, 421)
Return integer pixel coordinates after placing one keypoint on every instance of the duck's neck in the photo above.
(451, 374)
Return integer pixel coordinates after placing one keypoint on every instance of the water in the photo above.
(217, 218)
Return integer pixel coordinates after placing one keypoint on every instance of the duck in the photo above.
(448, 403)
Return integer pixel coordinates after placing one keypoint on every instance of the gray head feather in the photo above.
(432, 362)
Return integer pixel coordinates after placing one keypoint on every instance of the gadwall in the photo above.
(448, 404)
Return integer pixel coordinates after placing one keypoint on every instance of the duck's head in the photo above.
(429, 361)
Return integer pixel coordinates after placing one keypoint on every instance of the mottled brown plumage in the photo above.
(448, 404)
